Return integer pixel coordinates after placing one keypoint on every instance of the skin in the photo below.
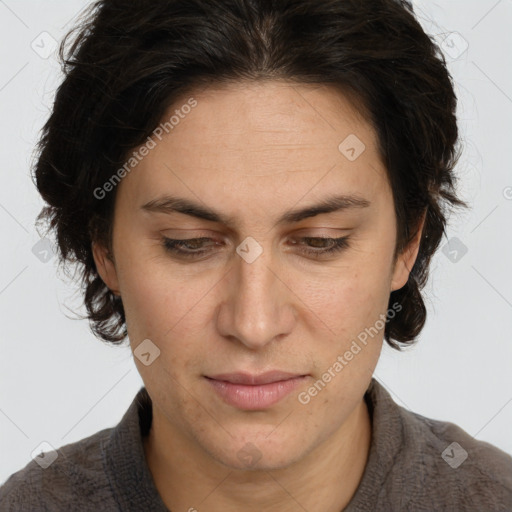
(253, 151)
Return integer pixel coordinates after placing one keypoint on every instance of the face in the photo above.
(255, 289)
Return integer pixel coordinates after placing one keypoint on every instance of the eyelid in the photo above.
(338, 245)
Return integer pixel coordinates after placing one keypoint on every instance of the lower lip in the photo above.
(254, 397)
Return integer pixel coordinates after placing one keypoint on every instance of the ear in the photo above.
(405, 260)
(106, 267)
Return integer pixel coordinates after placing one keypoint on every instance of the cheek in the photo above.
(171, 314)
(352, 314)
(165, 302)
(350, 297)
(155, 305)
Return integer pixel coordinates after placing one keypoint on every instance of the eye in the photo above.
(187, 248)
(319, 248)
(194, 247)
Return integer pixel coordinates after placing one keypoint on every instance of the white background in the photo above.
(59, 384)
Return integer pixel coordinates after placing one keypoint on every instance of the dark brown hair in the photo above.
(125, 63)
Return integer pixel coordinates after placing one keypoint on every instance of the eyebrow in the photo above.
(172, 204)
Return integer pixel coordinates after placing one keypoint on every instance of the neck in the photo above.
(324, 480)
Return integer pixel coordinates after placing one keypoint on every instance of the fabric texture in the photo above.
(412, 466)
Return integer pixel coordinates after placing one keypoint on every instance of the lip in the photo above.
(251, 380)
(254, 392)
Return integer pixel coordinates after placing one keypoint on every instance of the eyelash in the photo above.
(173, 246)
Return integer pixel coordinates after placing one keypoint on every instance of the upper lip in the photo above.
(247, 378)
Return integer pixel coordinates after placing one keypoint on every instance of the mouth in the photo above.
(254, 392)
(254, 380)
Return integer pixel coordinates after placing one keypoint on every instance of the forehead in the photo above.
(270, 117)
(261, 142)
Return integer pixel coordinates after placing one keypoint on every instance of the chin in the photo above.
(259, 454)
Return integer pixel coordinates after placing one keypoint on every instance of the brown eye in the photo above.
(188, 248)
(324, 246)
(315, 246)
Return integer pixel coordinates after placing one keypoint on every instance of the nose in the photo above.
(258, 305)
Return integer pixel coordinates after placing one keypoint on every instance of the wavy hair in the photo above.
(125, 63)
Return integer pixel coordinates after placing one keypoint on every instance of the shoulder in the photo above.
(454, 468)
(74, 480)
(424, 464)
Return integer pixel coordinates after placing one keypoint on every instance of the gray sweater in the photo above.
(415, 464)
